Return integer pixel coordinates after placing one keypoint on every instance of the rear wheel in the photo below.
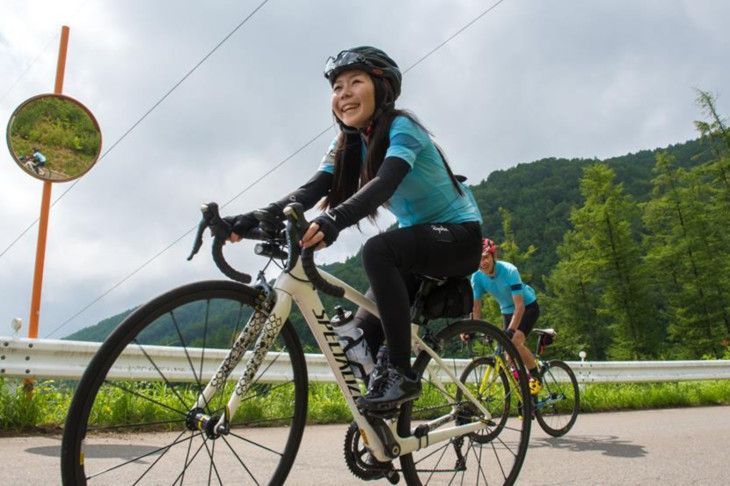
(132, 418)
(559, 400)
(492, 456)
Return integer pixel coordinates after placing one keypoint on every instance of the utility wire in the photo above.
(22, 75)
(164, 97)
(32, 63)
(135, 271)
(45, 48)
(454, 35)
(266, 174)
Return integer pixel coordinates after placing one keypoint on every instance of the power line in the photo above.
(454, 35)
(32, 63)
(266, 174)
(135, 271)
(45, 48)
(164, 97)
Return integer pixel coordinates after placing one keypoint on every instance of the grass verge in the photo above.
(44, 410)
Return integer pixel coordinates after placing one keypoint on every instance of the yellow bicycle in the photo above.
(555, 407)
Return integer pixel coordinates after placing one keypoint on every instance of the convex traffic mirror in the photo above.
(54, 138)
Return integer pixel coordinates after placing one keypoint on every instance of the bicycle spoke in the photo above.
(187, 464)
(185, 348)
(238, 458)
(478, 459)
(164, 378)
(131, 461)
(492, 455)
(144, 397)
(159, 458)
(135, 425)
(216, 312)
(212, 467)
(260, 446)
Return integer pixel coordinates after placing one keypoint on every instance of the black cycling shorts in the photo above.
(529, 318)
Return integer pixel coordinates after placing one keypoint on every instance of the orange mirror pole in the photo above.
(40, 255)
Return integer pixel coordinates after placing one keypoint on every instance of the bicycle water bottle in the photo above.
(352, 340)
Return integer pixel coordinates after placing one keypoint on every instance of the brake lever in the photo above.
(295, 216)
(221, 230)
(198, 243)
(211, 219)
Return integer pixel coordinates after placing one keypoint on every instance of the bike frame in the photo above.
(264, 327)
(493, 371)
(33, 166)
(501, 364)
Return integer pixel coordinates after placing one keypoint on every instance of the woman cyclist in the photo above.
(383, 156)
(517, 303)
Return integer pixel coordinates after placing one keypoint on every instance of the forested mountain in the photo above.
(540, 195)
(628, 255)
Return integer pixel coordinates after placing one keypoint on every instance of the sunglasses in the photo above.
(344, 58)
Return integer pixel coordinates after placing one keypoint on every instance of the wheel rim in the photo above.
(141, 429)
(557, 402)
(491, 457)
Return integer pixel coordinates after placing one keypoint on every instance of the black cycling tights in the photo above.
(392, 258)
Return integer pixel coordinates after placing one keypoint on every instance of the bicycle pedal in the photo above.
(392, 476)
(387, 414)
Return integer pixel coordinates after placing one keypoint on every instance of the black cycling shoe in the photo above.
(392, 389)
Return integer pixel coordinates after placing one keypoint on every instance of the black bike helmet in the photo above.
(369, 59)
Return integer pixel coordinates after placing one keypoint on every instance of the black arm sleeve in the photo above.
(372, 195)
(312, 191)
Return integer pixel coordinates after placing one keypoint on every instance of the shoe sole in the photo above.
(385, 406)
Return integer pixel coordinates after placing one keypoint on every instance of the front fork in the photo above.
(267, 327)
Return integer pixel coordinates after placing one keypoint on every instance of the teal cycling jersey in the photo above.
(426, 194)
(506, 283)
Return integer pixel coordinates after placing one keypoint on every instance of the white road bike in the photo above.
(156, 423)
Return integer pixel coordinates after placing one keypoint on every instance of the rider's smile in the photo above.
(353, 98)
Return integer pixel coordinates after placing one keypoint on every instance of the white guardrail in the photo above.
(57, 359)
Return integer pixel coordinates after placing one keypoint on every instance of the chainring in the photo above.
(359, 460)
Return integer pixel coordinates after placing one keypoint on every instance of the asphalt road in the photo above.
(657, 447)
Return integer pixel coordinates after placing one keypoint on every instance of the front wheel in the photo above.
(132, 418)
(493, 455)
(490, 385)
(559, 400)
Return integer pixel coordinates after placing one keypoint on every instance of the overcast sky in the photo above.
(530, 79)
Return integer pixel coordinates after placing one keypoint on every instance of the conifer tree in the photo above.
(571, 303)
(605, 226)
(687, 245)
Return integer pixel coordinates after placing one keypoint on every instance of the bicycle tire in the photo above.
(463, 460)
(559, 400)
(123, 431)
(494, 398)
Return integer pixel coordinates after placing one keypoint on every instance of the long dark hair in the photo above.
(350, 174)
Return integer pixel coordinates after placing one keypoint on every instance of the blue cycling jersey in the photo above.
(426, 194)
(39, 157)
(506, 283)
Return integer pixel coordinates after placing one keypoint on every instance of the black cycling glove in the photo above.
(242, 224)
(329, 228)
(270, 219)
